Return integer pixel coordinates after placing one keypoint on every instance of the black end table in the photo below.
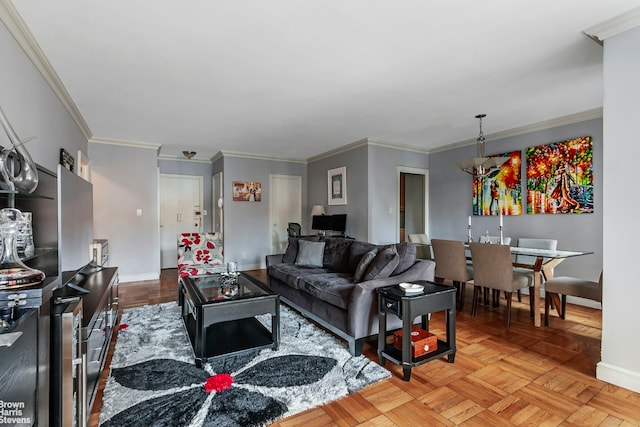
(219, 312)
(434, 298)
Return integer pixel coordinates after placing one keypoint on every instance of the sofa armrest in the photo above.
(274, 259)
(363, 301)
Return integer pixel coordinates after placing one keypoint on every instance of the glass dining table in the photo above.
(544, 261)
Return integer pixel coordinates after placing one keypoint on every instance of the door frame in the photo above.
(200, 180)
(297, 178)
(414, 171)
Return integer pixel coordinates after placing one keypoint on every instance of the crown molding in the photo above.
(18, 29)
(126, 143)
(184, 159)
(356, 144)
(224, 153)
(583, 116)
(616, 25)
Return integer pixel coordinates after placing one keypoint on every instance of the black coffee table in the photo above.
(219, 312)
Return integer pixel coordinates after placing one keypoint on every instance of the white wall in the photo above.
(247, 232)
(621, 294)
(33, 108)
(126, 179)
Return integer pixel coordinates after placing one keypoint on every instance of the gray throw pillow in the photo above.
(383, 264)
(363, 265)
(310, 253)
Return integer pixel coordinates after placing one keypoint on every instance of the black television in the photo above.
(321, 222)
(339, 223)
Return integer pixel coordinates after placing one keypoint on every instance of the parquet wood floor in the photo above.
(501, 377)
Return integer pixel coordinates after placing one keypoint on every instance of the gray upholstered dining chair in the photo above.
(493, 269)
(565, 285)
(495, 240)
(534, 243)
(451, 265)
(423, 245)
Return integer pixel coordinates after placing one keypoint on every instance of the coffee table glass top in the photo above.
(220, 287)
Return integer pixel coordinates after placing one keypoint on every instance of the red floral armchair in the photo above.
(200, 253)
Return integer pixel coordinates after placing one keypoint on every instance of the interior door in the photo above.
(413, 204)
(180, 212)
(285, 206)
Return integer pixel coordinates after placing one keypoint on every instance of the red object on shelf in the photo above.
(422, 342)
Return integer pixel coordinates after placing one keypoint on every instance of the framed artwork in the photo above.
(247, 191)
(66, 159)
(499, 192)
(337, 186)
(560, 177)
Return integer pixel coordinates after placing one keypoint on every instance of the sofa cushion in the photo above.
(292, 250)
(383, 264)
(407, 252)
(363, 265)
(333, 288)
(310, 253)
(336, 254)
(291, 273)
(357, 251)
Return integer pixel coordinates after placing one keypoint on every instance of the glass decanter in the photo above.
(13, 272)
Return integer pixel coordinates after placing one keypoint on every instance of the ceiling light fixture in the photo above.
(188, 154)
(481, 165)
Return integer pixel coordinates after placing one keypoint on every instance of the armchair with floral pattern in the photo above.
(200, 253)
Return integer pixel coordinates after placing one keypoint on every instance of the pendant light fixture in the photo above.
(481, 165)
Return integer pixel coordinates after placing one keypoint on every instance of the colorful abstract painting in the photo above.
(499, 191)
(560, 177)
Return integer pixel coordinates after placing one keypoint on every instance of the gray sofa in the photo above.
(333, 281)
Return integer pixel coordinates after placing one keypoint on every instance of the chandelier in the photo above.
(481, 165)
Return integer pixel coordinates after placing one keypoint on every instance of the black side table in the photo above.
(434, 298)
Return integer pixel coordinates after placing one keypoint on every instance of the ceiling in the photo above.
(293, 79)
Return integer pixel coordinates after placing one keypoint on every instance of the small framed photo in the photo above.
(337, 186)
(66, 159)
(247, 191)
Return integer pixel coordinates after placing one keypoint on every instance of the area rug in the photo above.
(154, 382)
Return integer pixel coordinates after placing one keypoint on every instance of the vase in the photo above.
(18, 171)
(13, 272)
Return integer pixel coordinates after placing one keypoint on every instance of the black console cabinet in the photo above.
(96, 289)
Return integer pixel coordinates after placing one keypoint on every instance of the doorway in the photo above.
(413, 202)
(180, 212)
(285, 206)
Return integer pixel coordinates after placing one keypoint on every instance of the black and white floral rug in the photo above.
(154, 381)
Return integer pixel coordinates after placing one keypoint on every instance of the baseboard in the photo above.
(138, 277)
(618, 376)
(245, 267)
(573, 300)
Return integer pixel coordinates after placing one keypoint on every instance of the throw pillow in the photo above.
(310, 253)
(407, 253)
(363, 265)
(292, 250)
(383, 264)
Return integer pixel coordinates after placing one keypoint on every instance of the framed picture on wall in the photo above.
(337, 186)
(247, 191)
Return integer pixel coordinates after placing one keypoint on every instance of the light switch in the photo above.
(179, 218)
(204, 212)
(138, 212)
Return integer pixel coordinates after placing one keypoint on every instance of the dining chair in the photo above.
(494, 240)
(535, 243)
(565, 285)
(451, 265)
(493, 269)
(423, 245)
(294, 229)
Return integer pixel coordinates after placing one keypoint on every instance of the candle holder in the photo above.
(469, 239)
